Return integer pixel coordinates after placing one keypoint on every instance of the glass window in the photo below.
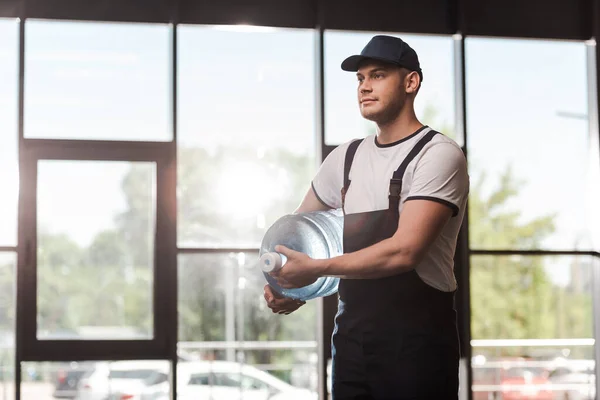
(532, 317)
(228, 380)
(199, 379)
(253, 384)
(434, 103)
(122, 380)
(223, 318)
(9, 178)
(89, 80)
(95, 249)
(592, 175)
(530, 147)
(246, 131)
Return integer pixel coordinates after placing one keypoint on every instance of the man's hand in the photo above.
(279, 304)
(298, 271)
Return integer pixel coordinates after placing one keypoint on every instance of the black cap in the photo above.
(388, 49)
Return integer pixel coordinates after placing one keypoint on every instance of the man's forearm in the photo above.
(380, 260)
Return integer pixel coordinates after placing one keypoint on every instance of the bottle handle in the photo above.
(272, 261)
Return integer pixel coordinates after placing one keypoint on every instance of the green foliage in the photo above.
(90, 287)
(498, 226)
(511, 296)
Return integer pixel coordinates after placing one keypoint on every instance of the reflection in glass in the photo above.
(90, 80)
(246, 135)
(223, 317)
(91, 380)
(95, 249)
(529, 145)
(532, 326)
(434, 103)
(9, 178)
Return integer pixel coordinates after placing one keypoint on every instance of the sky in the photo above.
(258, 86)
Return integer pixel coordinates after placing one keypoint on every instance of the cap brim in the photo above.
(353, 62)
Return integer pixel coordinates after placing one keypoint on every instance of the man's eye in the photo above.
(378, 76)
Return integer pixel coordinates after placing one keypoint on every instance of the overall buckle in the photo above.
(395, 187)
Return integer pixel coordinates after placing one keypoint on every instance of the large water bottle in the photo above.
(318, 234)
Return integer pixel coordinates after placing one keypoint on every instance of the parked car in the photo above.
(126, 380)
(510, 379)
(207, 380)
(574, 380)
(531, 383)
(223, 380)
(67, 377)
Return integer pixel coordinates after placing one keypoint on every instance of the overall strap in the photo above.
(396, 181)
(350, 152)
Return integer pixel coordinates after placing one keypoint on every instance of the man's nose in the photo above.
(365, 87)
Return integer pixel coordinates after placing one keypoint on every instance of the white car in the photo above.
(125, 380)
(574, 381)
(223, 380)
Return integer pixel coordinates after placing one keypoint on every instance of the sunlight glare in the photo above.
(245, 190)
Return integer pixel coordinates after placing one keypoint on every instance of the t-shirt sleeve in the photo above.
(327, 183)
(441, 175)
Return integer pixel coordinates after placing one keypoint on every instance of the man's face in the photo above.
(381, 91)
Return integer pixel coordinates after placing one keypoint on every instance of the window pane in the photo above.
(96, 380)
(223, 318)
(95, 249)
(246, 131)
(529, 145)
(593, 180)
(434, 103)
(89, 80)
(8, 267)
(532, 325)
(9, 178)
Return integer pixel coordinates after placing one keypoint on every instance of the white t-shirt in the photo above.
(438, 173)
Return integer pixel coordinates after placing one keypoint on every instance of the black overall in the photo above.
(395, 337)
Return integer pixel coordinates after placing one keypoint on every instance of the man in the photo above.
(404, 193)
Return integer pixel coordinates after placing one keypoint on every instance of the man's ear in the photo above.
(412, 81)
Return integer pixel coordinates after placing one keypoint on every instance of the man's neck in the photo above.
(403, 126)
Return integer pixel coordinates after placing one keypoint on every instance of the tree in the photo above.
(8, 275)
(134, 223)
(94, 286)
(510, 295)
(58, 258)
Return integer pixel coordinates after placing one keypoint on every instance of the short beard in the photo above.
(389, 114)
